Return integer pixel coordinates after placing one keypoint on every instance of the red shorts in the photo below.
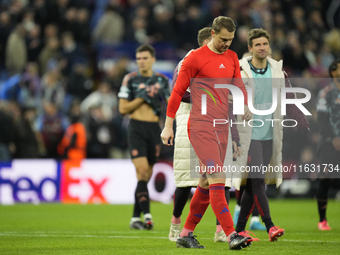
(210, 148)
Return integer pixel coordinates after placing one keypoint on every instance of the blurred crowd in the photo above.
(50, 77)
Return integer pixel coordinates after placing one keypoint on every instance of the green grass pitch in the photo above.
(104, 229)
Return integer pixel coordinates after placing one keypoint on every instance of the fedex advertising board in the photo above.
(29, 181)
(101, 181)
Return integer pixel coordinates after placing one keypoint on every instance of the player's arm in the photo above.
(188, 70)
(186, 96)
(126, 102)
(126, 106)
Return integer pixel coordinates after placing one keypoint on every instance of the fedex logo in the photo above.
(97, 181)
(81, 183)
(110, 181)
(87, 181)
(28, 182)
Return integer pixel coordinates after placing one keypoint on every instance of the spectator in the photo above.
(25, 139)
(79, 84)
(28, 20)
(83, 32)
(51, 30)
(53, 90)
(57, 10)
(110, 28)
(16, 51)
(5, 31)
(99, 133)
(52, 125)
(50, 52)
(71, 53)
(240, 45)
(332, 41)
(161, 28)
(189, 27)
(73, 144)
(294, 56)
(138, 31)
(6, 129)
(40, 12)
(30, 86)
(116, 74)
(69, 21)
(33, 43)
(316, 26)
(104, 98)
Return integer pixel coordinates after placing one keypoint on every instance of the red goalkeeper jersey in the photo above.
(201, 70)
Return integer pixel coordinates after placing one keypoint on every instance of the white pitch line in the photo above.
(9, 234)
(79, 236)
(308, 241)
(84, 232)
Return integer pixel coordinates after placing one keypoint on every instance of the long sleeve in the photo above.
(186, 96)
(187, 71)
(238, 79)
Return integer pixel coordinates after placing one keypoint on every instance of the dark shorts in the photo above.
(144, 140)
(330, 159)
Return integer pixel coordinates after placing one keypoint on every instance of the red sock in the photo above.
(220, 207)
(198, 205)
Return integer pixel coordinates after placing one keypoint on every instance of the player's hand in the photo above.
(336, 143)
(142, 93)
(247, 113)
(167, 136)
(236, 150)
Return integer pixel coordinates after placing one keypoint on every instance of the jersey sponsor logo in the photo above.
(222, 66)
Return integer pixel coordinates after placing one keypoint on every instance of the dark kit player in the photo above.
(328, 109)
(141, 95)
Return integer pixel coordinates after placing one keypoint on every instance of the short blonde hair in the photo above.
(223, 22)
(203, 34)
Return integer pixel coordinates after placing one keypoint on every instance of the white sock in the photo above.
(254, 219)
(237, 208)
(147, 216)
(134, 219)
